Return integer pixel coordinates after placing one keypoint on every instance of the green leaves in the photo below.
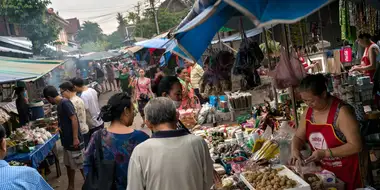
(90, 32)
(146, 27)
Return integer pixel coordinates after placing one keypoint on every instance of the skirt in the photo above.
(141, 106)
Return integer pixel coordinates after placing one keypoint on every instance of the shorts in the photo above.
(100, 80)
(73, 159)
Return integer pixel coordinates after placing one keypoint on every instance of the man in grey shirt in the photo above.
(172, 159)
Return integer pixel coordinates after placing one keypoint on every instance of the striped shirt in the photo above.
(21, 177)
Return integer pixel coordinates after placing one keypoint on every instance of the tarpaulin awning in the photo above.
(12, 69)
(133, 49)
(207, 21)
(157, 43)
(98, 55)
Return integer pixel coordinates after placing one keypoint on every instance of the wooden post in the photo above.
(270, 65)
(290, 89)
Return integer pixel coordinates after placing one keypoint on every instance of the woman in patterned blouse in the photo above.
(118, 140)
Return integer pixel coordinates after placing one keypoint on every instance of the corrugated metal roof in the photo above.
(20, 69)
(17, 41)
(5, 49)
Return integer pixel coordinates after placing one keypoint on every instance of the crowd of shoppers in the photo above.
(137, 166)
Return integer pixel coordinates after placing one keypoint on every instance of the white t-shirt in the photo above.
(91, 104)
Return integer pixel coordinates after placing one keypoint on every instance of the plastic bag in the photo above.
(288, 72)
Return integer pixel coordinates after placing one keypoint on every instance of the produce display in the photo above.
(269, 179)
(15, 163)
(269, 150)
(37, 135)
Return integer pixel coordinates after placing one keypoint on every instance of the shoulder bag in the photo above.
(143, 97)
(102, 174)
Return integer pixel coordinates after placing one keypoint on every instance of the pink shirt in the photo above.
(142, 86)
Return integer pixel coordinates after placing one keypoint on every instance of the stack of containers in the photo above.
(364, 89)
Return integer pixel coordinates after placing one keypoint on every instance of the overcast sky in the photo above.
(100, 11)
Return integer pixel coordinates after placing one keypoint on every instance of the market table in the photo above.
(38, 154)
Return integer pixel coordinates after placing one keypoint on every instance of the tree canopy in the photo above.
(114, 40)
(146, 27)
(122, 24)
(89, 32)
(32, 17)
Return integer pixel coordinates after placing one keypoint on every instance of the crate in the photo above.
(301, 184)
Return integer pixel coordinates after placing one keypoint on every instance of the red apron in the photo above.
(365, 62)
(322, 136)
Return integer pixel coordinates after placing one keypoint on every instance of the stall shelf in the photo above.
(39, 154)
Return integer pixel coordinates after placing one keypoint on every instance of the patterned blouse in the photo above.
(116, 147)
(81, 113)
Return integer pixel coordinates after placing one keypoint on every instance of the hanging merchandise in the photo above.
(247, 62)
(346, 54)
(288, 72)
(216, 79)
(345, 19)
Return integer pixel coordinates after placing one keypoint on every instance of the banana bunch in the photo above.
(10, 143)
(269, 150)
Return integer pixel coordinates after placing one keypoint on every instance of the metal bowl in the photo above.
(374, 138)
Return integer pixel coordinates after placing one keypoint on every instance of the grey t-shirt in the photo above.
(171, 163)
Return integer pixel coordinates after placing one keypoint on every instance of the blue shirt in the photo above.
(65, 110)
(20, 178)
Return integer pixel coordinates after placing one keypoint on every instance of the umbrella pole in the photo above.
(270, 65)
(290, 89)
(220, 42)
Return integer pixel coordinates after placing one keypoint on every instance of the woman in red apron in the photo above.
(331, 130)
(368, 62)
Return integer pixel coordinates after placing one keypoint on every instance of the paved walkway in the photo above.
(61, 183)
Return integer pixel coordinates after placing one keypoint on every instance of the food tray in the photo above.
(301, 184)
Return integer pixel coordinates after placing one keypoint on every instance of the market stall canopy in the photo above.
(237, 36)
(98, 55)
(157, 43)
(207, 21)
(133, 49)
(12, 69)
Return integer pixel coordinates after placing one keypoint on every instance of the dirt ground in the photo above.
(61, 183)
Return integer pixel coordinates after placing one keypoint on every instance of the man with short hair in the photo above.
(71, 138)
(179, 161)
(18, 177)
(91, 104)
(68, 92)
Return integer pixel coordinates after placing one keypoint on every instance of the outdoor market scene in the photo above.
(190, 95)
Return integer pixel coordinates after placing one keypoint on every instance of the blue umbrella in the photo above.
(266, 12)
(157, 43)
(193, 38)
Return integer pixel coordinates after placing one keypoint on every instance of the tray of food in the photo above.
(278, 177)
